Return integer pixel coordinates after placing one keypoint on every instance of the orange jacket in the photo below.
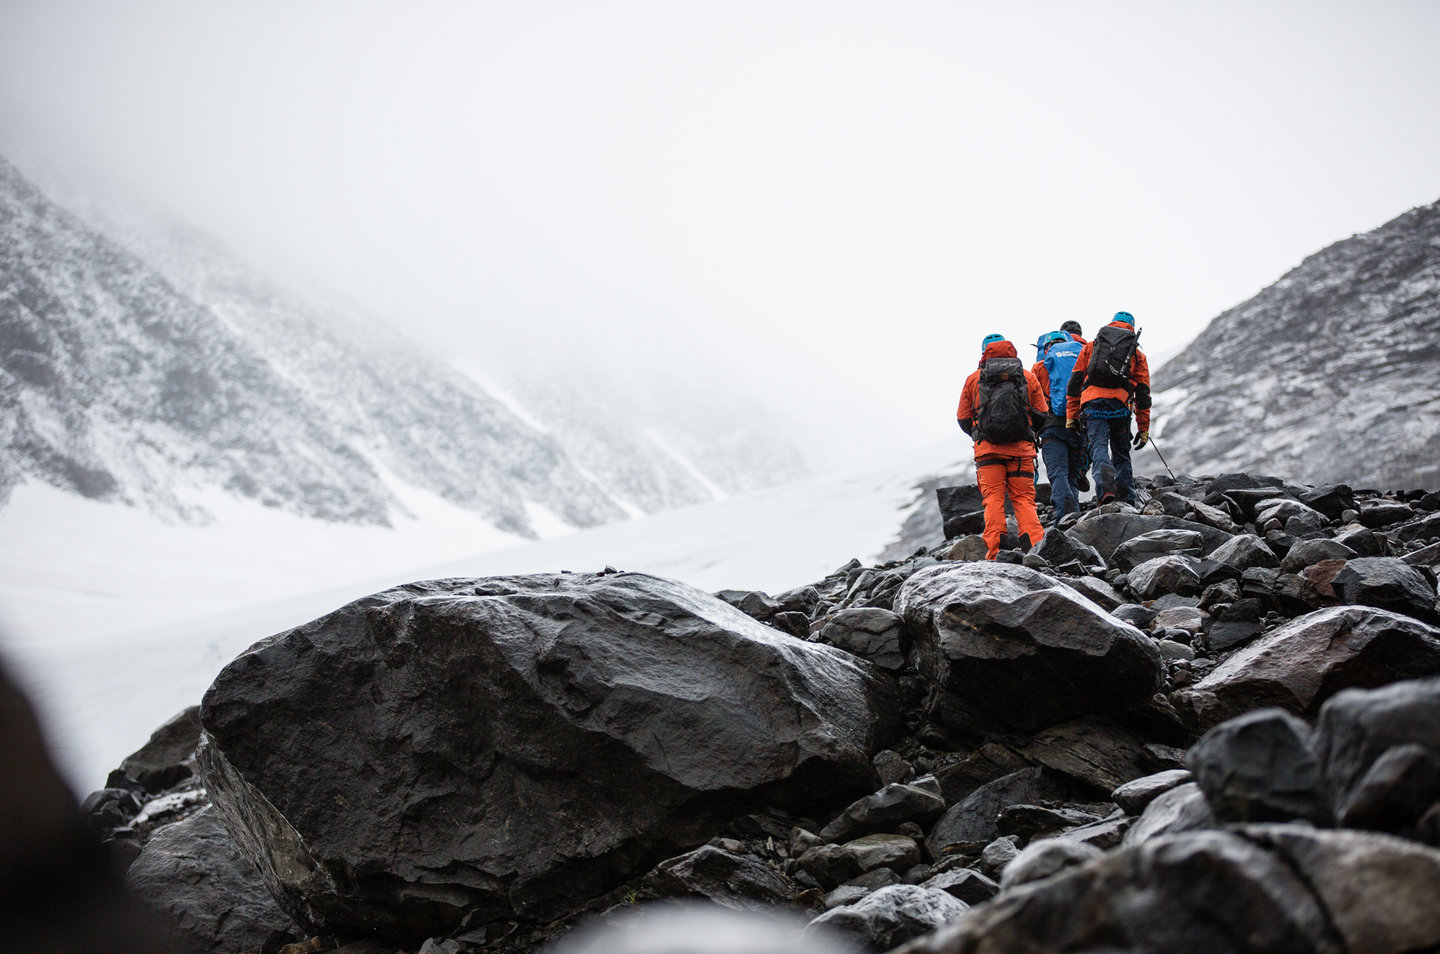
(970, 396)
(1137, 396)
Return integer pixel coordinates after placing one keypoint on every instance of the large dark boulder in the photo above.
(1262, 889)
(1106, 531)
(1388, 583)
(733, 881)
(1006, 647)
(1299, 665)
(512, 746)
(1378, 749)
(1261, 766)
(209, 895)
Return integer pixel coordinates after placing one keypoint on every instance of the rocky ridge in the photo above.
(1328, 375)
(1209, 721)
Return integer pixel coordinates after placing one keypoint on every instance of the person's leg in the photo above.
(1055, 451)
(1098, 431)
(1120, 455)
(990, 475)
(1079, 463)
(1020, 484)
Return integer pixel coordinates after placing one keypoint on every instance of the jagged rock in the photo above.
(1332, 499)
(988, 637)
(870, 633)
(1238, 622)
(1027, 822)
(1361, 539)
(1261, 766)
(968, 549)
(1299, 665)
(1309, 552)
(1155, 544)
(991, 761)
(1182, 808)
(1426, 528)
(518, 744)
(1055, 547)
(1168, 574)
(1377, 514)
(882, 811)
(1097, 591)
(895, 852)
(999, 853)
(1134, 796)
(893, 915)
(1187, 619)
(1105, 531)
(1095, 752)
(1136, 615)
(1394, 795)
(1387, 583)
(1044, 858)
(967, 884)
(168, 758)
(1212, 517)
(729, 880)
(1273, 889)
(892, 767)
(1245, 552)
(972, 820)
(1425, 556)
(212, 897)
(830, 865)
(1355, 732)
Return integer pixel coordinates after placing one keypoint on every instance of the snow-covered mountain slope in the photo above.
(144, 364)
(121, 641)
(1332, 374)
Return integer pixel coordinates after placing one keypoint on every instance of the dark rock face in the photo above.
(1255, 890)
(212, 897)
(395, 765)
(894, 915)
(1298, 666)
(169, 756)
(989, 636)
(1107, 531)
(1259, 767)
(1389, 584)
(724, 878)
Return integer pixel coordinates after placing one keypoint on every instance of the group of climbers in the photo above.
(1076, 402)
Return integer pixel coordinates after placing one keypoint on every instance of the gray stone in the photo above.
(999, 853)
(1299, 665)
(212, 898)
(891, 916)
(967, 884)
(1106, 531)
(1383, 513)
(1261, 766)
(507, 747)
(971, 821)
(732, 881)
(1169, 574)
(883, 851)
(1156, 544)
(870, 633)
(1182, 808)
(1006, 647)
(1097, 591)
(1135, 795)
(885, 809)
(1309, 552)
(1044, 858)
(1245, 552)
(1387, 583)
(968, 549)
(892, 767)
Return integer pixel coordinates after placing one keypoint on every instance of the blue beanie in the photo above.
(1126, 317)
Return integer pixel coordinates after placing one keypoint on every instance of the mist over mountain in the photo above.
(1328, 375)
(148, 366)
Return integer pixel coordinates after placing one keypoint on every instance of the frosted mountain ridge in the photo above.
(1331, 374)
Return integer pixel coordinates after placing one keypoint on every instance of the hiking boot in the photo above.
(1025, 544)
(1082, 483)
(1107, 498)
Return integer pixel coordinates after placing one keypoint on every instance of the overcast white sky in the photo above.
(833, 201)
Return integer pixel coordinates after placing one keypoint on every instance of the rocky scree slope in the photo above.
(1327, 375)
(154, 377)
(1209, 723)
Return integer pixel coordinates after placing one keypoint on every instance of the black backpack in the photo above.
(1111, 357)
(1002, 413)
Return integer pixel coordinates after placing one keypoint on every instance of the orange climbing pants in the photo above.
(1015, 476)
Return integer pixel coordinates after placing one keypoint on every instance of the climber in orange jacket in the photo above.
(1109, 383)
(1000, 405)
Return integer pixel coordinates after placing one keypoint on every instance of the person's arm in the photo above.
(1142, 392)
(1076, 387)
(965, 413)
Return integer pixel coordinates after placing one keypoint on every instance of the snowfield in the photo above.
(116, 621)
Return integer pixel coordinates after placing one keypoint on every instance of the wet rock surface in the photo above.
(1133, 736)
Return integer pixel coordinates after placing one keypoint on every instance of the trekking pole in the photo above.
(1162, 457)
